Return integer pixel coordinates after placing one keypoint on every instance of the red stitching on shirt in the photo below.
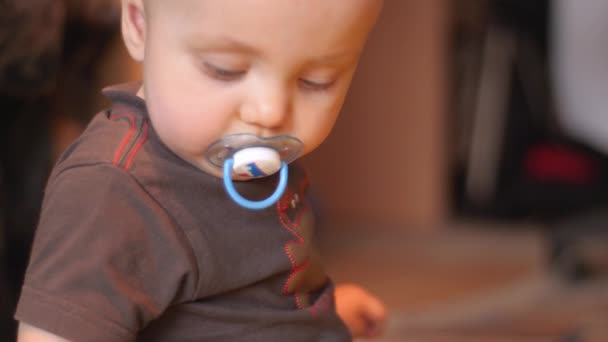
(303, 186)
(127, 137)
(139, 145)
(294, 272)
(282, 207)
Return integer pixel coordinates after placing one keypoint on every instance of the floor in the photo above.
(471, 282)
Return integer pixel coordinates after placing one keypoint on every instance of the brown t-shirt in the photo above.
(134, 243)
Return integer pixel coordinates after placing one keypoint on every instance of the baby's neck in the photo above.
(140, 92)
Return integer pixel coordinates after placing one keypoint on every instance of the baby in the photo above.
(164, 221)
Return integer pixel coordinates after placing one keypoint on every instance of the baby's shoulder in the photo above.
(111, 138)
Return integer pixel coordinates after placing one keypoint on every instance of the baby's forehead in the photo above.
(294, 19)
(289, 31)
(268, 8)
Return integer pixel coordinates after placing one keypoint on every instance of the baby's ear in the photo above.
(133, 26)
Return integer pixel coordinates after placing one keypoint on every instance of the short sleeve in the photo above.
(106, 258)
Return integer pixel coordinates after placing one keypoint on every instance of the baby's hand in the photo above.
(362, 312)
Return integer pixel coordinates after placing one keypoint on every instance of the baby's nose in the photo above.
(268, 110)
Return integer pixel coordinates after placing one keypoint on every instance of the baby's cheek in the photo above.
(314, 132)
(176, 130)
(193, 134)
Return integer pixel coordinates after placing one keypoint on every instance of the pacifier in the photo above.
(249, 156)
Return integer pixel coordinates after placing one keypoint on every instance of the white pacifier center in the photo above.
(256, 162)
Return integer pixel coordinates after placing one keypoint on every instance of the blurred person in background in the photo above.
(49, 80)
(580, 69)
(579, 72)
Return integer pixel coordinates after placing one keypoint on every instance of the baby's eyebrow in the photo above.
(227, 44)
(230, 45)
(336, 58)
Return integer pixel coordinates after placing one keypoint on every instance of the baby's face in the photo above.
(266, 67)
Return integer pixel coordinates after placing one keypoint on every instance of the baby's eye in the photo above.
(314, 85)
(222, 73)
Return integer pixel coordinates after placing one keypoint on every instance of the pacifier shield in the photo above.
(287, 147)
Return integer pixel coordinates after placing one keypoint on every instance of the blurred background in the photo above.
(465, 181)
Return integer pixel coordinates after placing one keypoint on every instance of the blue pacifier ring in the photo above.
(255, 205)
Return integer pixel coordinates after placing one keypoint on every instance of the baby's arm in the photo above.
(28, 333)
(363, 313)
